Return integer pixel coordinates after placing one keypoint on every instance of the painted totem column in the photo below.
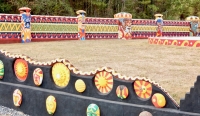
(124, 25)
(159, 23)
(81, 24)
(25, 24)
(194, 20)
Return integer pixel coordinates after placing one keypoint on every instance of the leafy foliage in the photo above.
(145, 9)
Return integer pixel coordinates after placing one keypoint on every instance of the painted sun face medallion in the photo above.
(143, 89)
(51, 104)
(1, 69)
(93, 110)
(122, 91)
(80, 85)
(104, 82)
(21, 69)
(37, 76)
(158, 100)
(17, 97)
(61, 74)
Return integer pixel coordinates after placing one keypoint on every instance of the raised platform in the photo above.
(177, 41)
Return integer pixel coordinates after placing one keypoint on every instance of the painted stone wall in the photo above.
(51, 28)
(58, 88)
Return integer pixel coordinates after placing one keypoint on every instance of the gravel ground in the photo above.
(4, 111)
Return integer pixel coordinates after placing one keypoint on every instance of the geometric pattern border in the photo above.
(10, 27)
(165, 28)
(53, 28)
(191, 42)
(97, 28)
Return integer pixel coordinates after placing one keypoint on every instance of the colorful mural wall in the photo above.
(52, 28)
(58, 88)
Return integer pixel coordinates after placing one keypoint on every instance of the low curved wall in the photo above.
(114, 94)
(176, 41)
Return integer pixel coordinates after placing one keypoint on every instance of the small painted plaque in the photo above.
(37, 76)
(93, 110)
(51, 104)
(80, 85)
(122, 91)
(21, 69)
(1, 69)
(17, 97)
(145, 113)
(158, 100)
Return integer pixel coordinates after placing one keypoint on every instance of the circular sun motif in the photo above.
(143, 89)
(104, 82)
(21, 69)
(61, 74)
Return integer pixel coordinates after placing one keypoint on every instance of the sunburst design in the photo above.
(143, 89)
(21, 69)
(61, 74)
(104, 82)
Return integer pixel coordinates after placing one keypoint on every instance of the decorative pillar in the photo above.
(159, 23)
(194, 20)
(25, 24)
(124, 25)
(81, 24)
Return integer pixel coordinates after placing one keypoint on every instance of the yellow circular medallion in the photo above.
(60, 74)
(80, 85)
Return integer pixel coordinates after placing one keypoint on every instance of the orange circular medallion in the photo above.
(21, 69)
(103, 81)
(143, 89)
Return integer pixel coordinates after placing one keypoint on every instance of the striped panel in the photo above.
(10, 27)
(53, 28)
(95, 28)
